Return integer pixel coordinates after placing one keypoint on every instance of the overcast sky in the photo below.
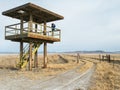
(87, 24)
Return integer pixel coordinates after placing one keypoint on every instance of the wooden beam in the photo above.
(30, 23)
(28, 36)
(21, 50)
(36, 27)
(21, 25)
(45, 55)
(45, 49)
(36, 53)
(78, 56)
(45, 15)
(36, 58)
(30, 44)
(30, 56)
(21, 43)
(100, 57)
(43, 37)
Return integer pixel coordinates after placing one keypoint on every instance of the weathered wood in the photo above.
(30, 35)
(45, 55)
(36, 27)
(21, 50)
(113, 62)
(45, 49)
(36, 53)
(78, 57)
(100, 57)
(21, 25)
(106, 57)
(30, 56)
(36, 59)
(21, 43)
(30, 23)
(103, 57)
(43, 37)
(30, 46)
(21, 32)
(40, 13)
(109, 58)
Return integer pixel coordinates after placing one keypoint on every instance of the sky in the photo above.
(88, 24)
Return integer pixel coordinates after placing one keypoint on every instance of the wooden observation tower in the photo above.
(32, 30)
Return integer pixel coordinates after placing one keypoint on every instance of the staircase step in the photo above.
(25, 56)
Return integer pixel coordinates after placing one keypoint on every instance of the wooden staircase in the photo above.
(25, 58)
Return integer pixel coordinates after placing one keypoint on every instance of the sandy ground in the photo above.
(107, 75)
(63, 73)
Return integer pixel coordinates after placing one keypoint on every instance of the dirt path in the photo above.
(81, 82)
(70, 80)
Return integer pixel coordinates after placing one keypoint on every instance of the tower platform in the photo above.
(36, 34)
(32, 30)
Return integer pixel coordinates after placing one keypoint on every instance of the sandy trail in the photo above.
(70, 80)
(82, 82)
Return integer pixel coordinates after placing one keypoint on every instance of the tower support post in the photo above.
(21, 50)
(45, 49)
(30, 56)
(30, 44)
(36, 58)
(21, 43)
(45, 55)
(36, 53)
(30, 23)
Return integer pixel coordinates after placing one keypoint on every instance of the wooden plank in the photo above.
(30, 56)
(36, 58)
(21, 50)
(28, 36)
(45, 55)
(21, 26)
(11, 37)
(45, 49)
(21, 43)
(43, 37)
(30, 23)
(78, 57)
(29, 7)
(36, 53)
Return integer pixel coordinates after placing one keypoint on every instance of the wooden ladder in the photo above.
(25, 58)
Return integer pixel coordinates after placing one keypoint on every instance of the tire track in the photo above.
(69, 80)
(81, 82)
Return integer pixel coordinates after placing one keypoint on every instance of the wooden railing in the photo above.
(15, 29)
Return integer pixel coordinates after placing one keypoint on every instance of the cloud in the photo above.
(88, 24)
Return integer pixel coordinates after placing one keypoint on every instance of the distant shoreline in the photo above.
(16, 53)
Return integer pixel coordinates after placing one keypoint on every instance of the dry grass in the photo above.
(56, 64)
(107, 76)
(8, 61)
(87, 65)
(51, 70)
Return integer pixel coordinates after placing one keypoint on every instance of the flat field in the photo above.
(104, 76)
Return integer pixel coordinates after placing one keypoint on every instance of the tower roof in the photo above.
(39, 14)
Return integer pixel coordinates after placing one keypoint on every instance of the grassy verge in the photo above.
(106, 77)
